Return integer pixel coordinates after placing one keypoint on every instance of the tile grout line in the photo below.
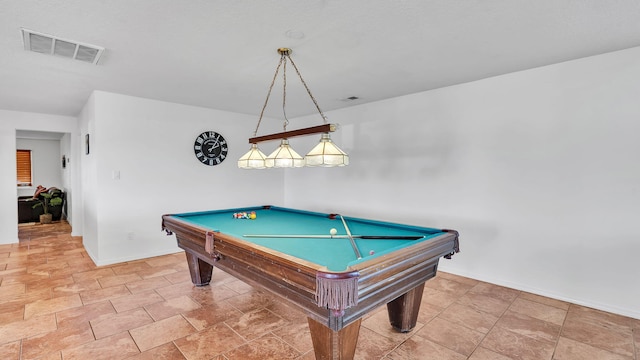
(564, 321)
(494, 326)
(633, 341)
(634, 354)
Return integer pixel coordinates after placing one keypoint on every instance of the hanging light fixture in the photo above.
(326, 153)
(284, 157)
(254, 159)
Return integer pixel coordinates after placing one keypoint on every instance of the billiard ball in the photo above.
(333, 231)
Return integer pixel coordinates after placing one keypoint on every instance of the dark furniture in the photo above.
(320, 273)
(27, 213)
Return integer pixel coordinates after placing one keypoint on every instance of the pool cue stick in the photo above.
(366, 237)
(353, 243)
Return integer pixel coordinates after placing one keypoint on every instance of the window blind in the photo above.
(23, 162)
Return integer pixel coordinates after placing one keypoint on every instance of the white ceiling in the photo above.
(221, 54)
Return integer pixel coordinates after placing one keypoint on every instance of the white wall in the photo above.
(46, 163)
(67, 174)
(150, 144)
(10, 121)
(538, 170)
(88, 188)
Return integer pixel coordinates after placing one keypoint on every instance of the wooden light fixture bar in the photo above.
(300, 132)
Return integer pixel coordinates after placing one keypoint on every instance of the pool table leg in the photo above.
(403, 311)
(200, 270)
(334, 345)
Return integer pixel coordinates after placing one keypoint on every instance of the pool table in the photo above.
(334, 276)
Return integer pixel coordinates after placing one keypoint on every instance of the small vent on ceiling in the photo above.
(52, 45)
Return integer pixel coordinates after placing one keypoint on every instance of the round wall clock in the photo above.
(210, 148)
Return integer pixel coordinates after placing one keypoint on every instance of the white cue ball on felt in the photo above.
(333, 231)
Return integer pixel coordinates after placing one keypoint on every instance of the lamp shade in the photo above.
(254, 159)
(284, 157)
(326, 154)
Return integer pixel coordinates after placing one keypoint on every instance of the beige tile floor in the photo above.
(56, 304)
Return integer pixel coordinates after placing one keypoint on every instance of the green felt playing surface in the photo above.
(336, 254)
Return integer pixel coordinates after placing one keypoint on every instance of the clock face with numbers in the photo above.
(210, 148)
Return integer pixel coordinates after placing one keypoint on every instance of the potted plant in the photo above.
(45, 200)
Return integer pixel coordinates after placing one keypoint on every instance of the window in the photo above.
(23, 161)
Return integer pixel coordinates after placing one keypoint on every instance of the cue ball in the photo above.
(333, 231)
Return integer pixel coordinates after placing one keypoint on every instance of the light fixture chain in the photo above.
(273, 81)
(324, 118)
(284, 93)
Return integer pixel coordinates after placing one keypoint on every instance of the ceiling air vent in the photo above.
(52, 45)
